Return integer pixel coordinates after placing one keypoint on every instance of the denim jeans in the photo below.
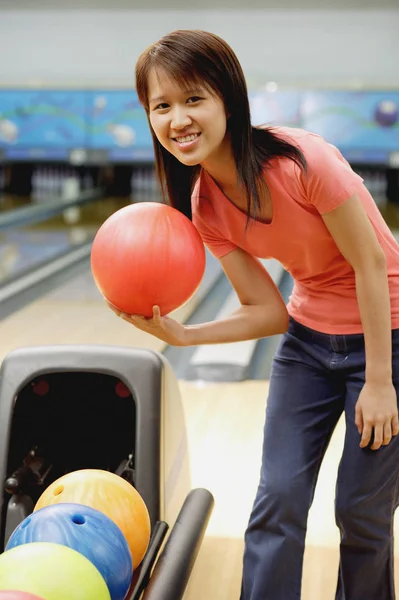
(315, 378)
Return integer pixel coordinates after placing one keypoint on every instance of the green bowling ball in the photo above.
(52, 572)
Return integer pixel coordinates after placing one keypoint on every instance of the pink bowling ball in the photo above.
(15, 595)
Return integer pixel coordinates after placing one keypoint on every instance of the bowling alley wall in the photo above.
(67, 94)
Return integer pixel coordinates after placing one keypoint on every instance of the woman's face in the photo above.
(191, 124)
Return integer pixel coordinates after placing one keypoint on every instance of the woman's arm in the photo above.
(262, 312)
(355, 237)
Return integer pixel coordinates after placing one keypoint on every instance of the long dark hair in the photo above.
(193, 56)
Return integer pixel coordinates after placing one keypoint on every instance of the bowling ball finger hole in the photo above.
(58, 490)
(78, 519)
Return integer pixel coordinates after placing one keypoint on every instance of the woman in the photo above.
(288, 194)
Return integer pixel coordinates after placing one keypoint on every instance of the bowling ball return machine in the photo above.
(70, 407)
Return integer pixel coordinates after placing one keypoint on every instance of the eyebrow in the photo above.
(189, 91)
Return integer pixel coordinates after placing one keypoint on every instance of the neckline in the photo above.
(237, 209)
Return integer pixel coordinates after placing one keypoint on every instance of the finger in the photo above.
(156, 313)
(359, 419)
(378, 436)
(387, 435)
(366, 435)
(395, 425)
(138, 318)
(127, 317)
(138, 321)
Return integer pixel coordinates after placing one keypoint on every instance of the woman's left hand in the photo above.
(377, 409)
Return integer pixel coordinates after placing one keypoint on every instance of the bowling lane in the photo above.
(75, 312)
(23, 248)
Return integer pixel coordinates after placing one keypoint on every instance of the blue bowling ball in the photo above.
(387, 113)
(86, 530)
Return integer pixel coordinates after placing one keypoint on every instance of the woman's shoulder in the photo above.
(318, 152)
(296, 135)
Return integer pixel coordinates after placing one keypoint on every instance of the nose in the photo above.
(180, 118)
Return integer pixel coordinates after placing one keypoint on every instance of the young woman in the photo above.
(286, 193)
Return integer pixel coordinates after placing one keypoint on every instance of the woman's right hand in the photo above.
(162, 327)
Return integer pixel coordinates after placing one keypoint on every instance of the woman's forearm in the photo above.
(375, 312)
(249, 322)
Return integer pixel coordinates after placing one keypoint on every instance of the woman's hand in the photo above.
(164, 328)
(377, 409)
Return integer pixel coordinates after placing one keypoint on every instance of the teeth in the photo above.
(187, 138)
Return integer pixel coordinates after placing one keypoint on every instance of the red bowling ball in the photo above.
(147, 254)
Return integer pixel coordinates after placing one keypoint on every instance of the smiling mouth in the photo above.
(186, 139)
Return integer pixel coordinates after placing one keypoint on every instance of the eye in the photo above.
(161, 106)
(194, 99)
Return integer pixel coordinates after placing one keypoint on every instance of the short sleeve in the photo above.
(329, 179)
(213, 240)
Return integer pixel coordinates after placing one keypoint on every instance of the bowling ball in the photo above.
(111, 495)
(147, 254)
(387, 113)
(86, 530)
(51, 571)
(9, 595)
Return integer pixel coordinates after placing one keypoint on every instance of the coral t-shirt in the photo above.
(324, 294)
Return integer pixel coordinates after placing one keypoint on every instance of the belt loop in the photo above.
(333, 342)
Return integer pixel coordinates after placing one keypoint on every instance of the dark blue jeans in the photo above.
(315, 378)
